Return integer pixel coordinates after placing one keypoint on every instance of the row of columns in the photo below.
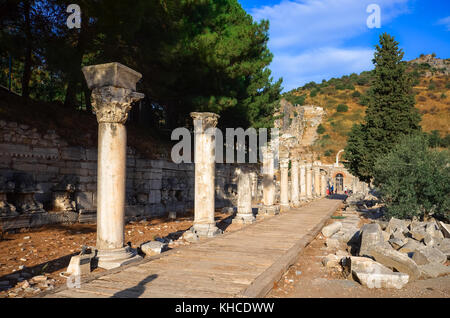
(113, 92)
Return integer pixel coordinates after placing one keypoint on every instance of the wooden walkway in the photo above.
(244, 263)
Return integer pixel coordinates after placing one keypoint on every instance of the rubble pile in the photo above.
(385, 253)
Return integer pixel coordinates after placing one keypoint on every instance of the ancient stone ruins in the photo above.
(43, 180)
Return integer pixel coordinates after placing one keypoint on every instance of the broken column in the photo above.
(303, 180)
(317, 187)
(308, 184)
(244, 207)
(284, 182)
(295, 201)
(113, 91)
(204, 205)
(269, 206)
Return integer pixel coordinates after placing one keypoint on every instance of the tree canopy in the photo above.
(390, 114)
(195, 55)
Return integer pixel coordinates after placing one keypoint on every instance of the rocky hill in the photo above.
(344, 102)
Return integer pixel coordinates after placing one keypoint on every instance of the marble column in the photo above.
(113, 92)
(244, 207)
(204, 204)
(317, 187)
(303, 180)
(295, 201)
(284, 183)
(269, 207)
(323, 184)
(308, 183)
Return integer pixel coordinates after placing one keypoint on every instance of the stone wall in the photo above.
(66, 177)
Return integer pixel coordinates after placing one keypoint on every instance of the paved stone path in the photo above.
(244, 263)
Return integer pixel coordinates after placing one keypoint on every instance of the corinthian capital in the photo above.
(204, 121)
(112, 104)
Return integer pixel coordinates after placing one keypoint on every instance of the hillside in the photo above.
(344, 100)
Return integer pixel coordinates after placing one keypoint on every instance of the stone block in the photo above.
(371, 235)
(80, 265)
(428, 254)
(374, 275)
(329, 230)
(153, 248)
(391, 258)
(433, 270)
(445, 228)
(73, 153)
(331, 261)
(410, 246)
(444, 247)
(397, 225)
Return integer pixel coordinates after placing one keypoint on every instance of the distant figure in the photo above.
(345, 190)
(328, 191)
(332, 189)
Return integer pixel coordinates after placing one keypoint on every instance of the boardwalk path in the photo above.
(244, 263)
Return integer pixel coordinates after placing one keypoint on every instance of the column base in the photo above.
(206, 230)
(248, 218)
(284, 207)
(109, 259)
(269, 210)
(296, 204)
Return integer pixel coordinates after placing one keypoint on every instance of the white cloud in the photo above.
(446, 22)
(308, 29)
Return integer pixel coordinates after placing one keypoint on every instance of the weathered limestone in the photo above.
(317, 176)
(391, 258)
(24, 194)
(427, 254)
(153, 248)
(204, 205)
(269, 206)
(308, 183)
(303, 181)
(371, 235)
(244, 209)
(113, 93)
(323, 184)
(284, 182)
(375, 275)
(295, 199)
(329, 230)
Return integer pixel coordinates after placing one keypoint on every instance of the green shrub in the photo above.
(447, 86)
(356, 94)
(443, 96)
(432, 86)
(328, 153)
(414, 180)
(363, 100)
(320, 129)
(342, 108)
(313, 93)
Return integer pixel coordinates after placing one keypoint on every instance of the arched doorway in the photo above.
(339, 182)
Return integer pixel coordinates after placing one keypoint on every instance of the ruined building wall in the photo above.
(153, 187)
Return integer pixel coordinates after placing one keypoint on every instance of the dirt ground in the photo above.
(308, 278)
(44, 253)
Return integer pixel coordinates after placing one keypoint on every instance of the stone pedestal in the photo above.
(269, 207)
(295, 199)
(204, 204)
(113, 93)
(303, 181)
(308, 185)
(317, 187)
(284, 183)
(244, 207)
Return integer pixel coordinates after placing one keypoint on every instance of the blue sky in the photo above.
(318, 39)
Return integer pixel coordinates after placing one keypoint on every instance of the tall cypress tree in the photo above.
(390, 113)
